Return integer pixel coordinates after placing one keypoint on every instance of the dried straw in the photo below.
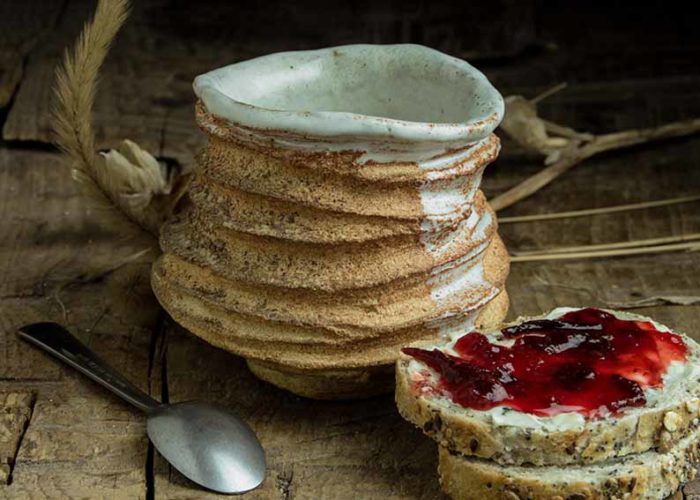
(599, 211)
(598, 144)
(612, 246)
(76, 85)
(616, 252)
(131, 189)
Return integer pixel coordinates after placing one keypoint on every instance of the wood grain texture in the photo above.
(314, 449)
(76, 425)
(118, 113)
(146, 89)
(49, 232)
(51, 243)
(23, 24)
(15, 412)
(82, 442)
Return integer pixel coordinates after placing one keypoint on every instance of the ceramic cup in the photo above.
(335, 216)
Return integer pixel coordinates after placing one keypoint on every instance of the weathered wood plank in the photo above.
(146, 94)
(15, 411)
(48, 230)
(144, 79)
(49, 237)
(665, 171)
(81, 441)
(17, 363)
(357, 449)
(632, 176)
(23, 24)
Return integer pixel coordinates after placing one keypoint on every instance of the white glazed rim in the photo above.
(339, 124)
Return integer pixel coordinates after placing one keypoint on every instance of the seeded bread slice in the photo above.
(648, 475)
(478, 433)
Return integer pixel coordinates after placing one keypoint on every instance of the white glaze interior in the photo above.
(385, 92)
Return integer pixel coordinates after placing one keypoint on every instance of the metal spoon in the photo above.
(208, 444)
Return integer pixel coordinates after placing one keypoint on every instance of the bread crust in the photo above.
(597, 441)
(649, 475)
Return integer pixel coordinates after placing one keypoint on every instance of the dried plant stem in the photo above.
(692, 246)
(549, 92)
(75, 89)
(598, 211)
(598, 144)
(133, 191)
(612, 246)
(657, 300)
(76, 83)
(566, 132)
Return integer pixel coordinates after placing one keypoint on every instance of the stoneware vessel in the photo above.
(335, 216)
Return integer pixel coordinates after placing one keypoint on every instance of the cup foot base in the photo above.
(327, 384)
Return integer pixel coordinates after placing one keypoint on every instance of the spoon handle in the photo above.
(58, 341)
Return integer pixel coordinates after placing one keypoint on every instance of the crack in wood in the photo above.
(156, 356)
(284, 484)
(164, 388)
(150, 456)
(28, 145)
(5, 110)
(150, 472)
(23, 295)
(15, 416)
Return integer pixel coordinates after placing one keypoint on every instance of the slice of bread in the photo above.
(649, 475)
(508, 436)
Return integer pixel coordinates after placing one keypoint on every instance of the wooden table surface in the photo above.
(63, 437)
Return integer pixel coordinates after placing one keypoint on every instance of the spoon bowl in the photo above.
(209, 445)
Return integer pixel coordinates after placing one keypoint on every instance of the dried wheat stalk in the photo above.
(130, 188)
(599, 211)
(564, 148)
(76, 82)
(617, 252)
(657, 300)
(612, 246)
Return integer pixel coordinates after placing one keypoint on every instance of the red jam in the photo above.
(587, 361)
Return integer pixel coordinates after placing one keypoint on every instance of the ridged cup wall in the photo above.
(335, 215)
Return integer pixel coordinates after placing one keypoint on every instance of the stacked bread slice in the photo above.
(642, 452)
